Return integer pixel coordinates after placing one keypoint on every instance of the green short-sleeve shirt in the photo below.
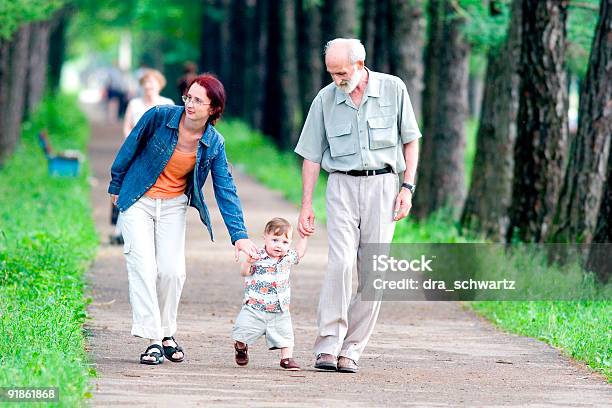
(343, 137)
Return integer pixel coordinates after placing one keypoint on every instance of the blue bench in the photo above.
(66, 163)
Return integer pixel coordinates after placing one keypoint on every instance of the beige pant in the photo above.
(359, 211)
(154, 249)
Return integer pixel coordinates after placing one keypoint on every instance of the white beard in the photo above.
(350, 85)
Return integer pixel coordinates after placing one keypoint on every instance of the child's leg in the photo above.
(286, 352)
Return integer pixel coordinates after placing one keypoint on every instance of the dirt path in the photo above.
(421, 354)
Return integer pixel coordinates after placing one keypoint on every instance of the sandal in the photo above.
(242, 355)
(170, 350)
(159, 355)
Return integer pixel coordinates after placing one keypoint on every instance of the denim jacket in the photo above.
(148, 148)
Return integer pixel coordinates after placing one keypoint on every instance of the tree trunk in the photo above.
(429, 98)
(595, 123)
(214, 38)
(259, 96)
(281, 96)
(589, 153)
(368, 26)
(311, 53)
(57, 47)
(339, 19)
(5, 46)
(542, 138)
(37, 67)
(380, 55)
(487, 204)
(12, 112)
(237, 80)
(443, 177)
(406, 27)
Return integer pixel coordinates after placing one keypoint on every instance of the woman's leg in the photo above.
(170, 256)
(137, 225)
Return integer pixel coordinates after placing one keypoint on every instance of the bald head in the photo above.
(345, 51)
(344, 60)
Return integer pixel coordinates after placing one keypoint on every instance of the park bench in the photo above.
(64, 163)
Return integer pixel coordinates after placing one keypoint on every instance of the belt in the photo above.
(359, 173)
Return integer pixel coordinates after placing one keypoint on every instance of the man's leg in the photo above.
(343, 232)
(377, 199)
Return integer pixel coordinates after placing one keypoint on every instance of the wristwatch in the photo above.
(410, 187)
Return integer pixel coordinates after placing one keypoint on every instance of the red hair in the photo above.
(215, 92)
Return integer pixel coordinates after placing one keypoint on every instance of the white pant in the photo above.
(154, 235)
(359, 211)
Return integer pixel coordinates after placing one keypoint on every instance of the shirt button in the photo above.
(363, 147)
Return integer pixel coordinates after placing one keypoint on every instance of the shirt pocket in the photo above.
(382, 132)
(340, 141)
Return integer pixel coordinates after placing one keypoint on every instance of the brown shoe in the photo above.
(289, 364)
(347, 365)
(242, 355)
(326, 362)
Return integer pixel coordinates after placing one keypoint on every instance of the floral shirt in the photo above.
(267, 288)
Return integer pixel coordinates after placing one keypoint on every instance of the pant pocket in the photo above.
(127, 247)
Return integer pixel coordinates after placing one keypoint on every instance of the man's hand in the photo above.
(306, 222)
(403, 203)
(247, 247)
(114, 198)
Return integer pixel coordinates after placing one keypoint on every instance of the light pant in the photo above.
(359, 211)
(154, 235)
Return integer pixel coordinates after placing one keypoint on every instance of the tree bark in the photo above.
(590, 150)
(542, 138)
(441, 181)
(368, 26)
(37, 67)
(406, 28)
(339, 19)
(311, 53)
(237, 81)
(281, 96)
(429, 98)
(12, 111)
(487, 204)
(380, 54)
(214, 38)
(57, 46)
(259, 96)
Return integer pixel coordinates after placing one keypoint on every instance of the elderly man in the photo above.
(361, 129)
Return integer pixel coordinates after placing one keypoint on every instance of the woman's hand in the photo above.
(114, 198)
(247, 247)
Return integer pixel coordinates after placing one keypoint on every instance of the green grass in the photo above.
(582, 329)
(47, 241)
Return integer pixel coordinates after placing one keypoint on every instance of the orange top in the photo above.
(173, 180)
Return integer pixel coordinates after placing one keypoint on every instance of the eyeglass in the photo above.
(196, 101)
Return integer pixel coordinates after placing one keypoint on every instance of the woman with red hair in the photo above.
(159, 171)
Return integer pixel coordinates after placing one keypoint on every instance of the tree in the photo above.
(589, 153)
(12, 86)
(339, 19)
(281, 90)
(596, 125)
(406, 27)
(541, 145)
(310, 64)
(490, 195)
(37, 64)
(441, 176)
(260, 63)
